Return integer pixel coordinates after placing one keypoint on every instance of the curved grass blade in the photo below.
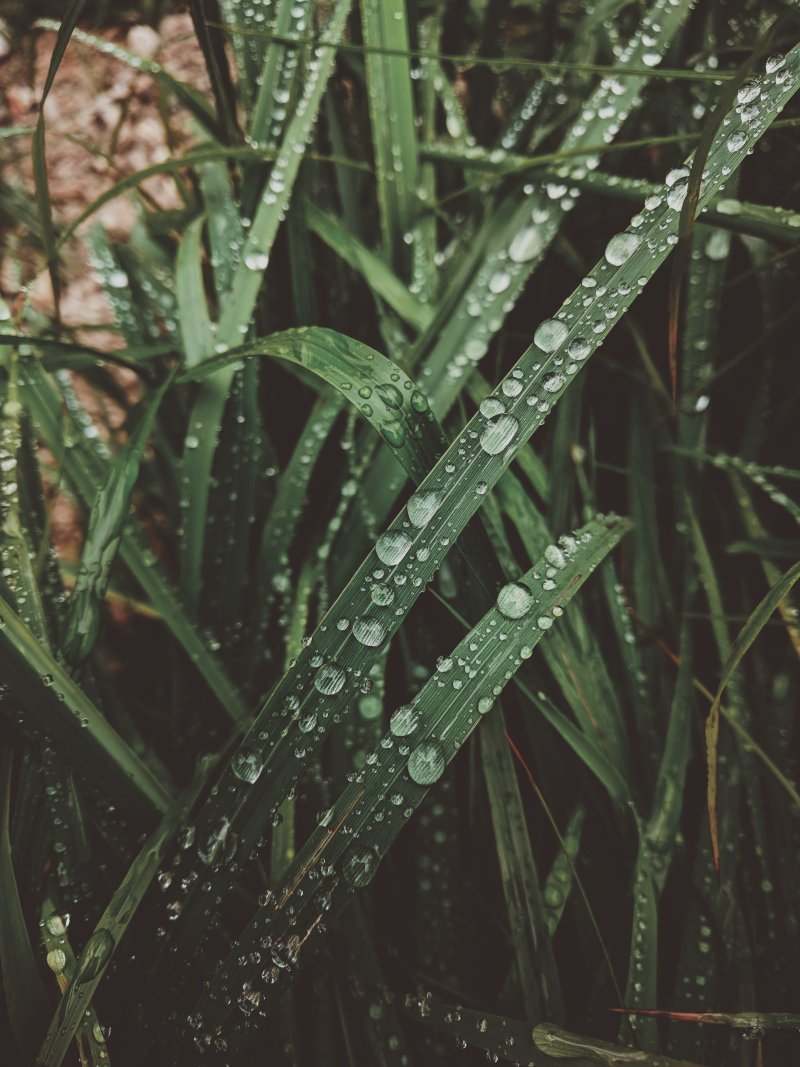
(237, 308)
(329, 669)
(106, 523)
(515, 1041)
(60, 709)
(391, 108)
(378, 276)
(38, 149)
(747, 635)
(25, 998)
(344, 852)
(112, 925)
(90, 1036)
(84, 467)
(530, 938)
(192, 100)
(198, 339)
(384, 394)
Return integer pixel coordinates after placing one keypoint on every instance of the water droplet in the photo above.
(555, 557)
(247, 764)
(392, 547)
(514, 600)
(775, 63)
(329, 679)
(498, 433)
(525, 245)
(369, 631)
(736, 141)
(426, 763)
(422, 507)
(550, 334)
(404, 720)
(552, 382)
(499, 282)
(621, 247)
(544, 622)
(256, 260)
(359, 865)
(578, 348)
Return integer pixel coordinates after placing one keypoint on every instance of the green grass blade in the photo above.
(25, 998)
(391, 106)
(59, 708)
(106, 522)
(530, 938)
(43, 205)
(191, 99)
(378, 276)
(112, 925)
(237, 308)
(349, 842)
(91, 1039)
(198, 339)
(84, 469)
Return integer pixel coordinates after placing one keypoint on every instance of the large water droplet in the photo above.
(498, 434)
(555, 557)
(525, 245)
(426, 763)
(247, 764)
(621, 247)
(256, 260)
(404, 720)
(550, 334)
(422, 507)
(514, 600)
(329, 679)
(392, 547)
(369, 631)
(359, 865)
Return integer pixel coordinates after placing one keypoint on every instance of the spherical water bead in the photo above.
(117, 279)
(512, 387)
(717, 245)
(329, 679)
(499, 282)
(737, 140)
(404, 720)
(491, 406)
(421, 507)
(774, 63)
(544, 622)
(485, 704)
(498, 434)
(55, 925)
(359, 865)
(750, 91)
(57, 960)
(552, 382)
(392, 547)
(621, 247)
(550, 334)
(369, 631)
(256, 260)
(426, 763)
(247, 764)
(526, 245)
(555, 557)
(514, 600)
(381, 594)
(578, 348)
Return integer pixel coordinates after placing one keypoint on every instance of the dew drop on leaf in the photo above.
(498, 434)
(392, 547)
(514, 600)
(329, 679)
(550, 334)
(426, 763)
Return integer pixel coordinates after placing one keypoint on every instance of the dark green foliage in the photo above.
(331, 746)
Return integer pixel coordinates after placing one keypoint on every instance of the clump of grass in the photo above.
(390, 741)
